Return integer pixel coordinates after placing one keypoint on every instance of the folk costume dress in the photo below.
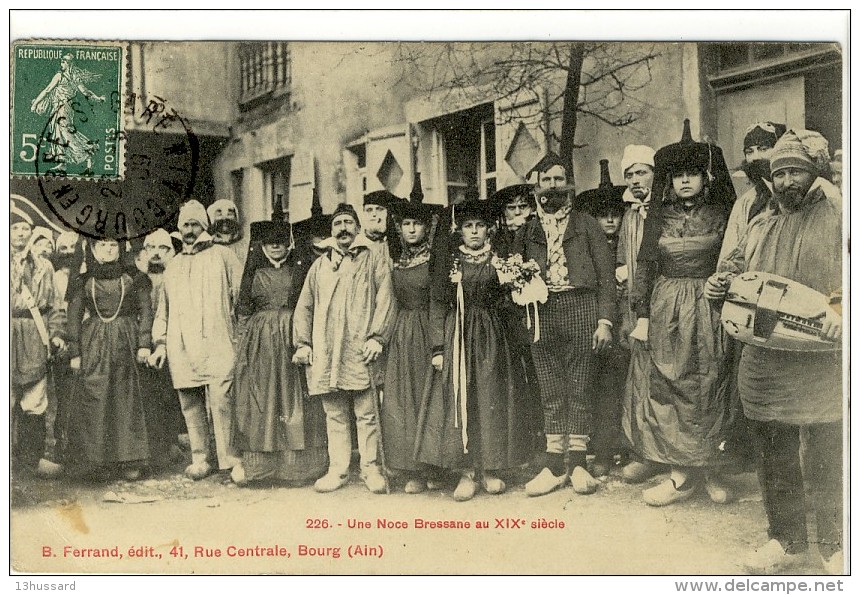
(279, 430)
(682, 416)
(107, 419)
(680, 412)
(408, 368)
(472, 418)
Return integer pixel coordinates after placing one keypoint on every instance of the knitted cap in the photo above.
(223, 205)
(818, 149)
(345, 209)
(636, 154)
(383, 198)
(193, 211)
(790, 152)
(159, 237)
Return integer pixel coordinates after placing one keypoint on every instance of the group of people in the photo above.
(410, 330)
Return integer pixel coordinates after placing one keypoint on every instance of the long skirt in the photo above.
(107, 423)
(406, 372)
(280, 430)
(163, 414)
(496, 431)
(682, 416)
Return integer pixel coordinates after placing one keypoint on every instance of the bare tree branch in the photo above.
(600, 80)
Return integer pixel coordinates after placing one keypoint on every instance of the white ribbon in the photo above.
(459, 372)
(537, 320)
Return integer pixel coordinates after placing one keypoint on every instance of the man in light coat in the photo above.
(194, 330)
(341, 323)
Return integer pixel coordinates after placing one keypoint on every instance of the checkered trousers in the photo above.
(563, 360)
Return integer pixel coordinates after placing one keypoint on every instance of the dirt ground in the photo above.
(167, 524)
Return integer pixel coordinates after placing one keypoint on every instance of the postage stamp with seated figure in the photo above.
(103, 160)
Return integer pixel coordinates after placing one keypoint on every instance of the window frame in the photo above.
(265, 71)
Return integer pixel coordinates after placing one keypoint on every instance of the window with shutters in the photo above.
(466, 152)
(265, 71)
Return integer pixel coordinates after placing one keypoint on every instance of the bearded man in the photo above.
(758, 146)
(163, 414)
(67, 258)
(225, 227)
(575, 323)
(794, 397)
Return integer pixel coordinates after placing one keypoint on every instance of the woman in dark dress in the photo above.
(680, 411)
(408, 369)
(513, 206)
(279, 430)
(471, 419)
(107, 423)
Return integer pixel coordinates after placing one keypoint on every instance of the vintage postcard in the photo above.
(556, 306)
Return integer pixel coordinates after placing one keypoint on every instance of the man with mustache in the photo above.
(225, 228)
(164, 416)
(794, 397)
(42, 242)
(759, 140)
(194, 330)
(575, 323)
(67, 256)
(637, 167)
(758, 146)
(342, 321)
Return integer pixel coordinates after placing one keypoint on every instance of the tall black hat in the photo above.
(270, 232)
(605, 198)
(685, 154)
(318, 225)
(688, 154)
(474, 209)
(407, 209)
(382, 198)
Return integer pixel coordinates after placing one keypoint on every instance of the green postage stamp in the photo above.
(67, 109)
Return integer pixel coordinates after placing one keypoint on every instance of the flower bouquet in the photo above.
(527, 286)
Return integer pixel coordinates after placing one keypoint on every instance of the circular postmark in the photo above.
(155, 170)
